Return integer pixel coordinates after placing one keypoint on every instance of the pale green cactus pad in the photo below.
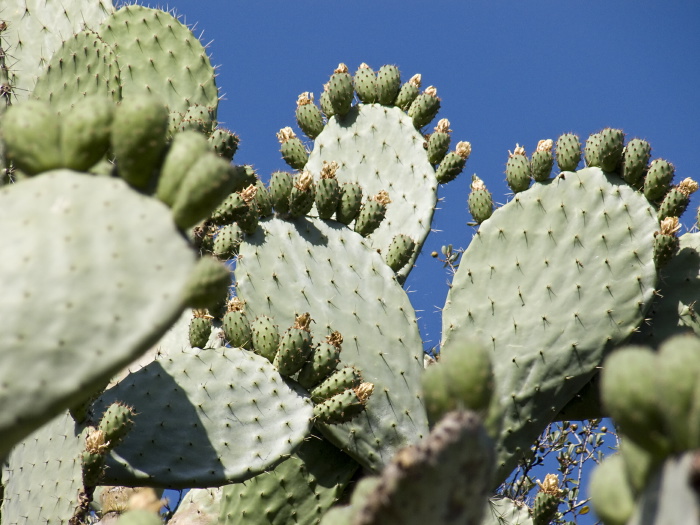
(37, 28)
(94, 276)
(160, 56)
(299, 490)
(43, 475)
(505, 511)
(552, 280)
(198, 507)
(83, 65)
(380, 148)
(309, 265)
(207, 417)
(675, 309)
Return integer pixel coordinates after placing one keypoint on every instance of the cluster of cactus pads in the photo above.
(294, 390)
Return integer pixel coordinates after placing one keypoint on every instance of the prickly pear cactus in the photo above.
(552, 280)
(289, 266)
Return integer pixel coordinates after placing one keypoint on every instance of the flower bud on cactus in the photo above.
(388, 84)
(518, 170)
(677, 199)
(439, 142)
(542, 161)
(327, 191)
(568, 152)
(324, 361)
(308, 115)
(295, 347)
(365, 82)
(293, 151)
(547, 500)
(372, 213)
(453, 163)
(266, 337)
(200, 328)
(408, 92)
(302, 196)
(666, 242)
(349, 203)
(480, 201)
(236, 325)
(424, 108)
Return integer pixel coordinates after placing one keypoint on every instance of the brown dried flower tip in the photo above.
(329, 169)
(464, 149)
(342, 68)
(477, 184)
(519, 150)
(248, 194)
(305, 98)
(304, 181)
(285, 134)
(382, 197)
(364, 391)
(235, 305)
(443, 126)
(688, 186)
(96, 442)
(550, 485)
(335, 338)
(431, 91)
(416, 80)
(302, 321)
(545, 145)
(670, 225)
(201, 313)
(364, 66)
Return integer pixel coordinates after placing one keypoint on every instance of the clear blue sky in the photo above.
(506, 71)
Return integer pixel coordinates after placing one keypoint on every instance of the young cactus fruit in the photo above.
(365, 82)
(480, 201)
(309, 117)
(293, 151)
(337, 382)
(547, 500)
(340, 91)
(658, 179)
(388, 84)
(677, 199)
(424, 107)
(349, 203)
(439, 142)
(372, 213)
(666, 242)
(248, 220)
(542, 161)
(345, 406)
(200, 328)
(116, 423)
(453, 163)
(280, 187)
(568, 152)
(301, 198)
(236, 326)
(409, 92)
(323, 363)
(266, 337)
(635, 160)
(518, 170)
(327, 191)
(400, 252)
(295, 347)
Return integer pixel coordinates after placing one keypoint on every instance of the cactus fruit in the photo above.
(340, 91)
(409, 92)
(439, 142)
(236, 325)
(183, 153)
(542, 161)
(228, 240)
(480, 201)
(309, 117)
(658, 179)
(207, 286)
(568, 152)
(666, 242)
(349, 203)
(247, 220)
(611, 149)
(424, 107)
(635, 160)
(676, 200)
(294, 347)
(200, 329)
(85, 132)
(518, 170)
(280, 187)
(339, 381)
(344, 406)
(365, 83)
(400, 252)
(224, 143)
(453, 163)
(547, 500)
(325, 360)
(265, 337)
(388, 84)
(115, 424)
(293, 151)
(372, 213)
(327, 191)
(303, 194)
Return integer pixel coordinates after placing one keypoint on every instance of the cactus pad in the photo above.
(114, 285)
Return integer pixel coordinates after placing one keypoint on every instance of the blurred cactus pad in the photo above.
(172, 319)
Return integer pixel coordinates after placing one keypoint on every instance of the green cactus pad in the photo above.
(505, 511)
(399, 166)
(83, 65)
(208, 284)
(139, 517)
(54, 21)
(161, 57)
(85, 132)
(114, 286)
(568, 152)
(198, 118)
(42, 477)
(561, 273)
(381, 341)
(388, 84)
(208, 417)
(299, 490)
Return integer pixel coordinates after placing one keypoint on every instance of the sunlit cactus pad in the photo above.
(309, 265)
(159, 55)
(92, 275)
(554, 278)
(43, 475)
(206, 418)
(380, 148)
(36, 29)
